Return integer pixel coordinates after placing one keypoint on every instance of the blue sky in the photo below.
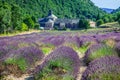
(113, 4)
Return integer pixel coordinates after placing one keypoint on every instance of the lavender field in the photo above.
(61, 56)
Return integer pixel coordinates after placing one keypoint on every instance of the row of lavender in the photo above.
(61, 64)
(27, 49)
(103, 60)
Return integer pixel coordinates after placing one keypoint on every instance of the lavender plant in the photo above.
(3, 53)
(6, 47)
(98, 51)
(105, 68)
(62, 61)
(54, 40)
(86, 42)
(25, 57)
(117, 39)
(117, 48)
(73, 42)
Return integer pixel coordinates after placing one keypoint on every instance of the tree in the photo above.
(118, 16)
(99, 22)
(16, 17)
(30, 23)
(84, 24)
(61, 8)
(106, 19)
(119, 21)
(5, 17)
(37, 26)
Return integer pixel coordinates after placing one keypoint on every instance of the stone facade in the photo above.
(52, 21)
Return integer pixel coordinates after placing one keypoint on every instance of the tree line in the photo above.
(115, 17)
(22, 15)
(12, 19)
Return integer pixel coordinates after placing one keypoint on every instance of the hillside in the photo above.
(110, 25)
(107, 10)
(22, 15)
(117, 10)
(61, 8)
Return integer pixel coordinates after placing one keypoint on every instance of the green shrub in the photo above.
(24, 27)
(30, 23)
(37, 26)
(20, 62)
(119, 21)
(55, 69)
(99, 22)
(83, 23)
(46, 50)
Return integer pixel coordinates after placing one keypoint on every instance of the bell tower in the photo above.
(50, 12)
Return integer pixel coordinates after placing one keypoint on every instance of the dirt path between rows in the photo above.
(82, 66)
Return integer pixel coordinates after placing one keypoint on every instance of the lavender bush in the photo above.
(64, 59)
(3, 53)
(72, 41)
(54, 40)
(117, 39)
(86, 42)
(25, 57)
(106, 68)
(6, 47)
(117, 48)
(98, 51)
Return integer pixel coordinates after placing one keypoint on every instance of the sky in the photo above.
(112, 4)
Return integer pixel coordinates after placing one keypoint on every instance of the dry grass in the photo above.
(20, 33)
(111, 25)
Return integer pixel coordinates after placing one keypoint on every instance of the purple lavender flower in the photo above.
(88, 40)
(54, 40)
(30, 54)
(6, 47)
(3, 53)
(117, 39)
(105, 68)
(98, 51)
(73, 41)
(117, 48)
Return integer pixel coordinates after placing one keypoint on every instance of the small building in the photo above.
(92, 24)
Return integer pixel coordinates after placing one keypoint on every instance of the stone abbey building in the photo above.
(52, 21)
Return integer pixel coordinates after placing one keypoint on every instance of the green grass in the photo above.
(61, 62)
(105, 76)
(101, 52)
(56, 77)
(19, 33)
(83, 48)
(48, 73)
(111, 25)
(20, 62)
(46, 50)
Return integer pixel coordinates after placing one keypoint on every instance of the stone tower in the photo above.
(50, 12)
